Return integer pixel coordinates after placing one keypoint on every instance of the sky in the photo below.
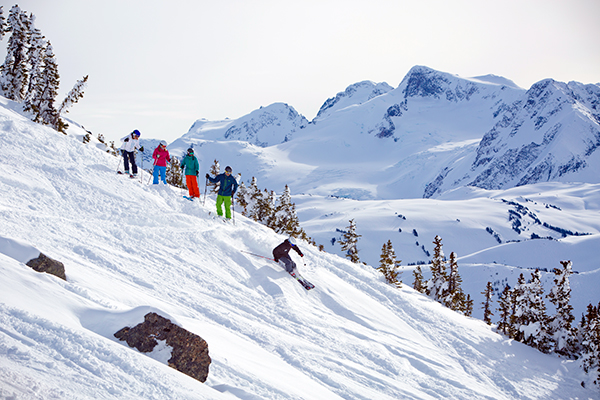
(158, 66)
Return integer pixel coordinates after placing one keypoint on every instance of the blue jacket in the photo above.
(228, 184)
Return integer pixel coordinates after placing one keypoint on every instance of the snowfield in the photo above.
(130, 248)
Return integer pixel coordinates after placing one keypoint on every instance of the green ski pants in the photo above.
(227, 201)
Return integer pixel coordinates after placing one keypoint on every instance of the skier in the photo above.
(226, 191)
(191, 166)
(282, 256)
(130, 143)
(161, 157)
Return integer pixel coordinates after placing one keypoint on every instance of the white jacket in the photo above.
(131, 144)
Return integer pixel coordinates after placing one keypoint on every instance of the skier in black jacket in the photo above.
(282, 256)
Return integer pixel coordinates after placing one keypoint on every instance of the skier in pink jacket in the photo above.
(161, 157)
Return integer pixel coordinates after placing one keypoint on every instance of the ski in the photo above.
(294, 274)
(124, 173)
(188, 198)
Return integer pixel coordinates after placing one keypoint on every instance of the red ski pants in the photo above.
(192, 184)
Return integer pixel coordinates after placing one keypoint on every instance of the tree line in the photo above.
(521, 310)
(29, 74)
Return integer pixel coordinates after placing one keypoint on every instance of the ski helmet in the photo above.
(228, 169)
(292, 240)
(163, 143)
(136, 132)
(191, 151)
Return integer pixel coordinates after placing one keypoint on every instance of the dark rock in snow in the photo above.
(190, 351)
(46, 264)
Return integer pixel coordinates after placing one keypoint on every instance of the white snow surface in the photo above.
(130, 248)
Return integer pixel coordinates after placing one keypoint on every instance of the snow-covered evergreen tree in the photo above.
(43, 102)
(561, 324)
(531, 311)
(215, 170)
(36, 48)
(241, 197)
(174, 174)
(285, 219)
(388, 265)
(487, 310)
(437, 286)
(72, 97)
(2, 23)
(506, 310)
(14, 75)
(418, 283)
(454, 297)
(349, 242)
(589, 329)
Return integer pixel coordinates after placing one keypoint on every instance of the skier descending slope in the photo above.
(281, 254)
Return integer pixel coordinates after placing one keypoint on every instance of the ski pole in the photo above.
(233, 209)
(205, 187)
(141, 166)
(119, 163)
(257, 255)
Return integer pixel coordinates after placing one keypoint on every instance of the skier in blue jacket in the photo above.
(228, 186)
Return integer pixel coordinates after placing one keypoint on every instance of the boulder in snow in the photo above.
(190, 351)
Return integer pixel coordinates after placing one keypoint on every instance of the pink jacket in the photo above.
(161, 157)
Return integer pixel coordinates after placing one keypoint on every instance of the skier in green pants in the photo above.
(227, 188)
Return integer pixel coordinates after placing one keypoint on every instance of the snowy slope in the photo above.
(130, 248)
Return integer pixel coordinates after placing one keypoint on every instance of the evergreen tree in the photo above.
(561, 324)
(215, 170)
(468, 310)
(532, 313)
(2, 23)
(349, 242)
(516, 313)
(454, 297)
(74, 96)
(418, 283)
(487, 312)
(14, 75)
(590, 342)
(437, 286)
(35, 56)
(285, 218)
(388, 265)
(174, 174)
(505, 307)
(43, 102)
(242, 194)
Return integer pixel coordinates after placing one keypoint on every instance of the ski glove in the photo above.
(207, 176)
(142, 149)
(126, 140)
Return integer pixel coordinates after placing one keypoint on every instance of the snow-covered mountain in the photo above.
(130, 248)
(550, 134)
(264, 127)
(435, 131)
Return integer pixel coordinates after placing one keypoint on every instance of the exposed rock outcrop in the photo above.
(190, 351)
(46, 264)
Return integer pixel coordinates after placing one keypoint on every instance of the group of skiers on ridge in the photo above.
(191, 166)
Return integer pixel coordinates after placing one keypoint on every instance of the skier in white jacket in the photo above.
(130, 143)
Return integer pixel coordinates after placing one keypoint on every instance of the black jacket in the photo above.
(283, 250)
